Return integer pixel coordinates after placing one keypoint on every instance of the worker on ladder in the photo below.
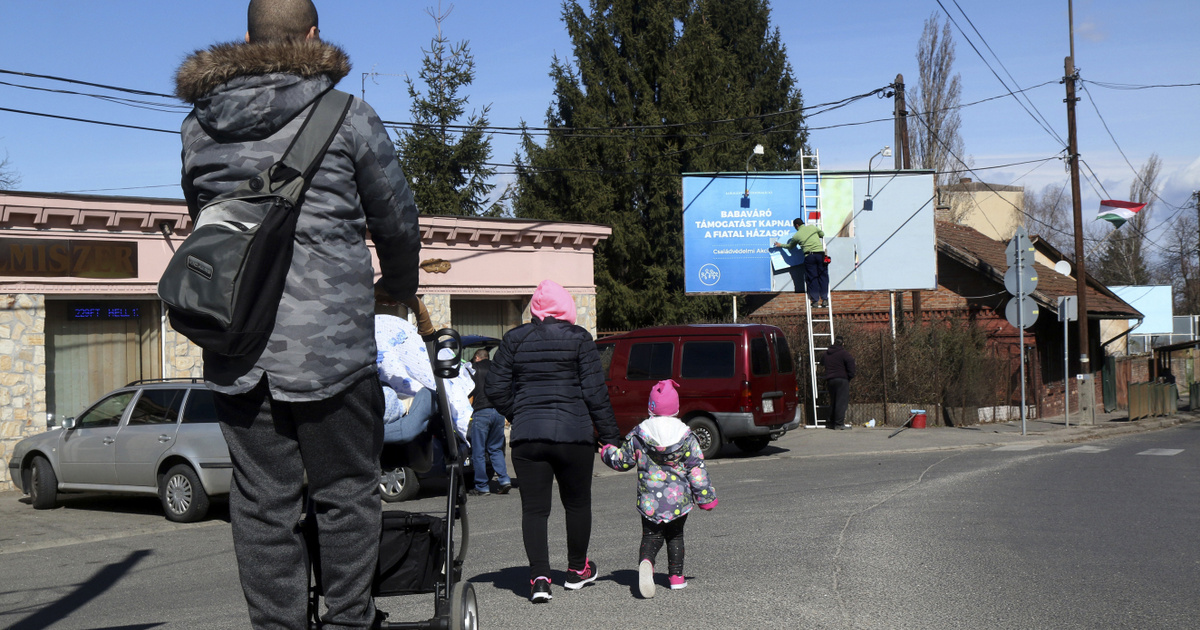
(809, 237)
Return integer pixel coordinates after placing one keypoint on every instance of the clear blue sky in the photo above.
(836, 50)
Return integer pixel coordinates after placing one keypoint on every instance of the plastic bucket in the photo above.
(918, 418)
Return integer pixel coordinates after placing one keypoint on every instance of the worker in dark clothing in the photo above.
(839, 370)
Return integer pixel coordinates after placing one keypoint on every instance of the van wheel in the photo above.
(752, 444)
(706, 434)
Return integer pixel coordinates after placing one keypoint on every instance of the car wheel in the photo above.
(707, 434)
(398, 484)
(183, 498)
(752, 444)
(464, 610)
(43, 484)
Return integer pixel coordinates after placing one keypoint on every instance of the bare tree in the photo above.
(1179, 266)
(935, 142)
(1124, 260)
(9, 178)
(1048, 215)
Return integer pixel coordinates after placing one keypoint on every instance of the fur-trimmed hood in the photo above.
(245, 92)
(204, 70)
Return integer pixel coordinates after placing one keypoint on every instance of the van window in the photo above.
(606, 354)
(649, 361)
(707, 359)
(783, 355)
(760, 357)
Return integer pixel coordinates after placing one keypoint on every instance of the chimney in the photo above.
(964, 180)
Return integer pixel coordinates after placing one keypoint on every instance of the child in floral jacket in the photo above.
(671, 479)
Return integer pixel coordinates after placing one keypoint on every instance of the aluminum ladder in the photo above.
(818, 321)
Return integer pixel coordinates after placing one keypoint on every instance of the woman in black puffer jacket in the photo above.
(546, 377)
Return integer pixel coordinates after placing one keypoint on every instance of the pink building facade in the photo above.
(79, 314)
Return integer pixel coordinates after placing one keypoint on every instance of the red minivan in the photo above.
(737, 382)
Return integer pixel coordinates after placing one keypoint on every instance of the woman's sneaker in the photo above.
(646, 578)
(577, 579)
(540, 590)
(677, 582)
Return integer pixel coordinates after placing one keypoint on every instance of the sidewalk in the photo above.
(821, 442)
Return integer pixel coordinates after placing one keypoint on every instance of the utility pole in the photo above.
(903, 160)
(1073, 160)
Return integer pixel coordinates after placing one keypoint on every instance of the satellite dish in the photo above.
(1063, 267)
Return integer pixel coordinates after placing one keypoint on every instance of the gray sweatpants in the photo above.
(273, 443)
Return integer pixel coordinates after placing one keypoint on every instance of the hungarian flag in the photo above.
(1118, 212)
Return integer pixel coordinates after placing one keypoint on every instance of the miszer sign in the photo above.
(56, 258)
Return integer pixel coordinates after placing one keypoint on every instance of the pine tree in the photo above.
(447, 162)
(655, 89)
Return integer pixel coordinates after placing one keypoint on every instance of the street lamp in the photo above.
(868, 204)
(758, 150)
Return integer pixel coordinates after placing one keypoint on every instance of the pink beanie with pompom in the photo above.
(664, 400)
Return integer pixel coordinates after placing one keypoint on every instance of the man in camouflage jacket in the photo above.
(311, 401)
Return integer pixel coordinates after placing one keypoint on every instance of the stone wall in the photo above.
(22, 373)
(184, 359)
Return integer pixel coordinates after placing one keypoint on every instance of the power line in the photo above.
(112, 99)
(88, 83)
(1131, 86)
(85, 120)
(1043, 125)
(1005, 68)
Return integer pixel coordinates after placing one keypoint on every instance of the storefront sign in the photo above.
(74, 258)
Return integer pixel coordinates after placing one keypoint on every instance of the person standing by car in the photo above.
(816, 269)
(839, 371)
(310, 403)
(487, 433)
(546, 376)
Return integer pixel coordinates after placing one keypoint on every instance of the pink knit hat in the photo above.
(664, 400)
(551, 300)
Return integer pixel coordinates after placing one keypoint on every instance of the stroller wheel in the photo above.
(464, 611)
(398, 484)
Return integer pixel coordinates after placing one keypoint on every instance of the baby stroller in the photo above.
(416, 550)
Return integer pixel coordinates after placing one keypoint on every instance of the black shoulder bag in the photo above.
(223, 285)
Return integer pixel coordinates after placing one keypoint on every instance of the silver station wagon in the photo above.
(149, 437)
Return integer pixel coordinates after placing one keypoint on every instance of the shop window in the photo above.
(489, 318)
(94, 347)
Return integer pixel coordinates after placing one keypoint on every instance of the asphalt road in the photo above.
(1100, 534)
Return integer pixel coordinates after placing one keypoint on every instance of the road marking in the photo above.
(1018, 447)
(1086, 449)
(1165, 452)
(750, 481)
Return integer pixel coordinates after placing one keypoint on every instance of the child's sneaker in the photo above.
(677, 582)
(540, 588)
(646, 578)
(577, 579)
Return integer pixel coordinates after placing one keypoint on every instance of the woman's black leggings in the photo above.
(653, 535)
(538, 465)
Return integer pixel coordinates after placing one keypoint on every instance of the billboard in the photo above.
(731, 220)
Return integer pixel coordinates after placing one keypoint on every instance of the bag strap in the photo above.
(307, 149)
(317, 132)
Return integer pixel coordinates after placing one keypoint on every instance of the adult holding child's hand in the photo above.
(546, 376)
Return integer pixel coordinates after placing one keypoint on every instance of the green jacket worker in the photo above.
(810, 240)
